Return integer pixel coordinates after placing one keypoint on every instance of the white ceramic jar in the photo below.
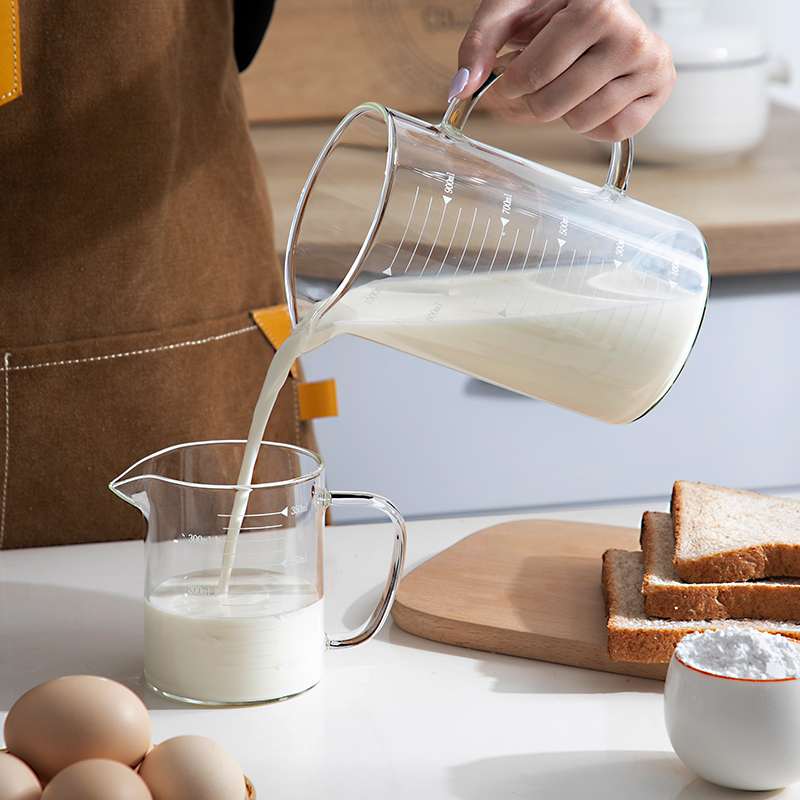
(742, 733)
(719, 107)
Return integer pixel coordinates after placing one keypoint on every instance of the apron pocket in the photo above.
(75, 415)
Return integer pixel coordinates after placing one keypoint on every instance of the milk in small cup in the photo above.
(245, 625)
(732, 707)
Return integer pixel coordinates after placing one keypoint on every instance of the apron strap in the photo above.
(316, 398)
(10, 69)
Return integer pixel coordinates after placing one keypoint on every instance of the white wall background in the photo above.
(777, 20)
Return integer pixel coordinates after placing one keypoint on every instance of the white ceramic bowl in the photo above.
(712, 118)
(735, 732)
(719, 108)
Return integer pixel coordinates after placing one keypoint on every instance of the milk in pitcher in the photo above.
(610, 351)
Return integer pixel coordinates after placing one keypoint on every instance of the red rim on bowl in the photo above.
(732, 677)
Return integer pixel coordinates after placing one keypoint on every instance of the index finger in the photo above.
(492, 27)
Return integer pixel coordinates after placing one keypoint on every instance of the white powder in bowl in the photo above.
(738, 653)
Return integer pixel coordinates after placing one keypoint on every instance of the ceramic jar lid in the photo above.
(697, 44)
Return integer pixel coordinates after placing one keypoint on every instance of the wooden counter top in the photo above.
(748, 212)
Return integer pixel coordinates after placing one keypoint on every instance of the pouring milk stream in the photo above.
(416, 237)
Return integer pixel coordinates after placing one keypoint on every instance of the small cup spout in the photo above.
(132, 491)
(134, 485)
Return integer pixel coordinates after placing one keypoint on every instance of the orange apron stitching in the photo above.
(6, 394)
(15, 57)
(146, 351)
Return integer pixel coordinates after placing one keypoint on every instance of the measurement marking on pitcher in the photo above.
(566, 285)
(594, 298)
(630, 308)
(609, 319)
(625, 293)
(505, 274)
(255, 527)
(521, 270)
(673, 282)
(419, 238)
(579, 292)
(252, 518)
(480, 249)
(197, 590)
(633, 336)
(283, 513)
(388, 270)
(464, 251)
(583, 283)
(436, 236)
(533, 283)
(645, 346)
(447, 253)
(503, 223)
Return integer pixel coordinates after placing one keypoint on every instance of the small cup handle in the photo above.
(620, 165)
(381, 612)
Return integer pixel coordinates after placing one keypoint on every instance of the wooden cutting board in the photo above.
(529, 588)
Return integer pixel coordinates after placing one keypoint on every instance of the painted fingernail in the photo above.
(458, 84)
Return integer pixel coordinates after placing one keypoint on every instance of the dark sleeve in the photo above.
(250, 21)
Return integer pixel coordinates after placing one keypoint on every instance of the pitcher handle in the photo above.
(381, 612)
(620, 165)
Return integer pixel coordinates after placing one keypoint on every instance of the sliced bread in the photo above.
(724, 535)
(667, 595)
(635, 636)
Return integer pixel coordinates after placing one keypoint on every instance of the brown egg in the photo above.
(74, 718)
(97, 779)
(192, 768)
(17, 779)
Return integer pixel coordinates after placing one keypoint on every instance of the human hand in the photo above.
(593, 63)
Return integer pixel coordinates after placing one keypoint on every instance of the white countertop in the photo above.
(398, 717)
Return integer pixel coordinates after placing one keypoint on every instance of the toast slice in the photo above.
(635, 636)
(666, 595)
(725, 535)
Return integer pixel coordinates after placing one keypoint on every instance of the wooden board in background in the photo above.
(749, 212)
(527, 588)
(320, 58)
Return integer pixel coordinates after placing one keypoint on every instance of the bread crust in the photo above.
(727, 535)
(667, 595)
(633, 635)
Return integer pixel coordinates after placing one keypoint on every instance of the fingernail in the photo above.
(458, 84)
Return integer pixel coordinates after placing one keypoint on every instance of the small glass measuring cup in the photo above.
(261, 638)
(414, 236)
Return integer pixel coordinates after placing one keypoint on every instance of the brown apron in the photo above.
(135, 237)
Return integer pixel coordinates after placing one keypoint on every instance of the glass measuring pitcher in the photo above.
(259, 637)
(414, 236)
